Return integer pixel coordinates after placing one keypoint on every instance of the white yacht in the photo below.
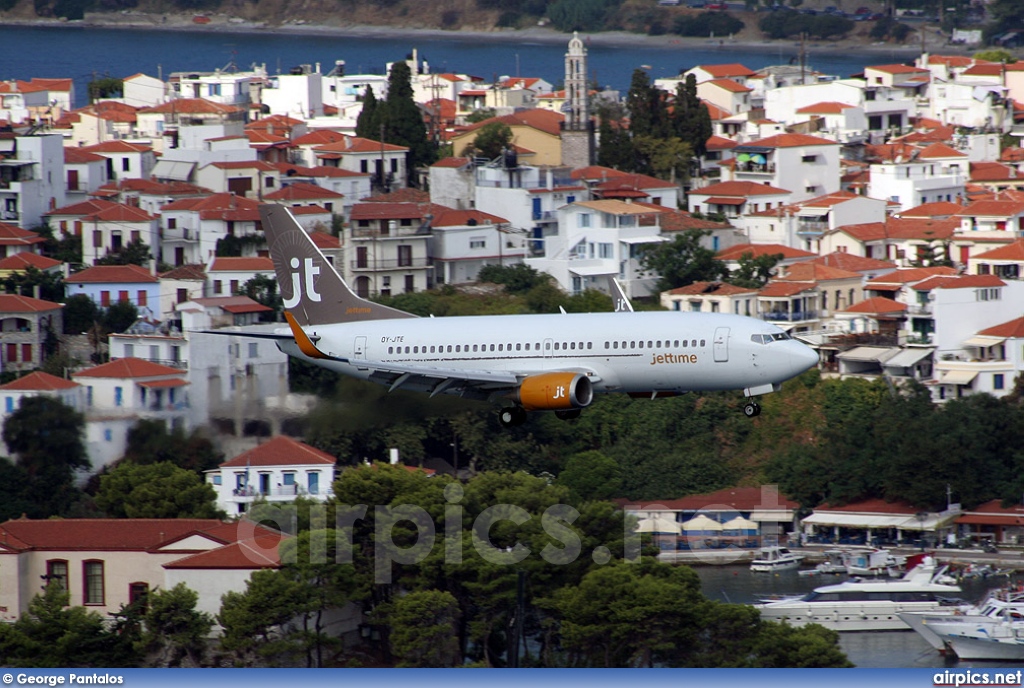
(1002, 604)
(984, 638)
(775, 558)
(865, 604)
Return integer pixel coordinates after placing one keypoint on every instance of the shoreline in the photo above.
(542, 35)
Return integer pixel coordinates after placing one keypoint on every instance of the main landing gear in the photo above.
(511, 416)
(751, 409)
(568, 414)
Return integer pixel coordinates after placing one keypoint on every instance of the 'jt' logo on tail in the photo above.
(310, 271)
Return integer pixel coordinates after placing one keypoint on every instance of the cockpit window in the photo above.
(769, 338)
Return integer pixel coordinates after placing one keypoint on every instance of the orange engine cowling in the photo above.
(555, 391)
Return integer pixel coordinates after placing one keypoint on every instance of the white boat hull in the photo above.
(769, 566)
(854, 616)
(1003, 649)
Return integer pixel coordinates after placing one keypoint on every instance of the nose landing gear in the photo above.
(511, 416)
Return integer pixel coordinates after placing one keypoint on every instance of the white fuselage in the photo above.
(644, 352)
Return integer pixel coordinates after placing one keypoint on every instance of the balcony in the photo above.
(545, 216)
(388, 264)
(790, 317)
(811, 228)
(279, 493)
(765, 169)
(393, 232)
(181, 234)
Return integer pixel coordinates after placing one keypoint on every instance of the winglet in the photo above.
(303, 341)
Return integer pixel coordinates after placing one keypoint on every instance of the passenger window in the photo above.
(649, 344)
(675, 343)
(615, 345)
(492, 347)
(556, 346)
(590, 345)
(527, 346)
(406, 349)
(519, 347)
(391, 349)
(641, 345)
(702, 342)
(449, 348)
(475, 348)
(658, 343)
(547, 346)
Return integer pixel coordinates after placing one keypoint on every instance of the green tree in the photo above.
(50, 285)
(646, 107)
(615, 146)
(519, 278)
(51, 634)
(578, 15)
(174, 630)
(682, 261)
(996, 55)
(263, 290)
(132, 253)
(403, 121)
(150, 442)
(368, 122)
(492, 140)
(258, 623)
(424, 627)
(691, 120)
(105, 86)
(481, 115)
(591, 475)
(158, 490)
(119, 316)
(752, 272)
(46, 436)
(665, 157)
(80, 314)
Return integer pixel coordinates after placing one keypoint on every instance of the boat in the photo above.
(863, 604)
(775, 558)
(875, 562)
(834, 563)
(999, 605)
(992, 639)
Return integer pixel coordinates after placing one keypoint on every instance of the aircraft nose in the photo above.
(805, 358)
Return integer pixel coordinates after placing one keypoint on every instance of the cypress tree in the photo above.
(368, 122)
(404, 124)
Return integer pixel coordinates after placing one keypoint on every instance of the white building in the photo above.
(34, 384)
(120, 393)
(595, 240)
(31, 177)
(936, 173)
(808, 166)
(278, 470)
(463, 241)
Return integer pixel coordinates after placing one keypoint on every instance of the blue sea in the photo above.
(84, 53)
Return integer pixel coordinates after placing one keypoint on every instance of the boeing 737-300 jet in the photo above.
(523, 362)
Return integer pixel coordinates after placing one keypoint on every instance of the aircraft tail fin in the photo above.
(313, 291)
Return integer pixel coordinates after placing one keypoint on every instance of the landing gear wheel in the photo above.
(568, 414)
(511, 416)
(752, 409)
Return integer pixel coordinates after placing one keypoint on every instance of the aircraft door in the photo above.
(359, 349)
(721, 344)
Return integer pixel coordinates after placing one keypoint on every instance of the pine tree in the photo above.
(368, 122)
(403, 120)
(691, 120)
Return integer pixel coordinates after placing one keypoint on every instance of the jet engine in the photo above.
(555, 391)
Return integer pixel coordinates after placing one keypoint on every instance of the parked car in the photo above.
(716, 6)
(863, 10)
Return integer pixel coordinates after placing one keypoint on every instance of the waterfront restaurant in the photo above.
(744, 516)
(877, 522)
(992, 522)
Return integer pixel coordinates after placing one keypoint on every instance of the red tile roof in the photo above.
(129, 368)
(1004, 209)
(235, 264)
(903, 228)
(281, 451)
(727, 70)
(544, 120)
(825, 108)
(112, 274)
(12, 235)
(302, 191)
(730, 85)
(38, 381)
(911, 275)
(961, 282)
(14, 303)
(260, 552)
(1013, 251)
(939, 150)
(877, 305)
(716, 288)
(24, 260)
(790, 141)
(738, 189)
(1013, 329)
(453, 162)
(193, 106)
(104, 534)
(773, 288)
(934, 209)
(851, 262)
(810, 271)
(755, 250)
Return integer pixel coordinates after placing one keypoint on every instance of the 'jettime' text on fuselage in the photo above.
(657, 359)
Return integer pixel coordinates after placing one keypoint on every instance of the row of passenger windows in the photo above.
(557, 346)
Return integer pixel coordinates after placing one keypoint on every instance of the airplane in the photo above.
(525, 363)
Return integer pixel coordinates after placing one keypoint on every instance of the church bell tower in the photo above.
(577, 130)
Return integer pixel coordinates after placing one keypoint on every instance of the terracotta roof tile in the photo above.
(236, 264)
(14, 303)
(281, 451)
(112, 274)
(877, 305)
(1013, 329)
(24, 260)
(38, 381)
(102, 534)
(756, 250)
(129, 368)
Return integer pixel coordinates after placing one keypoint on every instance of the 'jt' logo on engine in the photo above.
(310, 271)
(559, 392)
